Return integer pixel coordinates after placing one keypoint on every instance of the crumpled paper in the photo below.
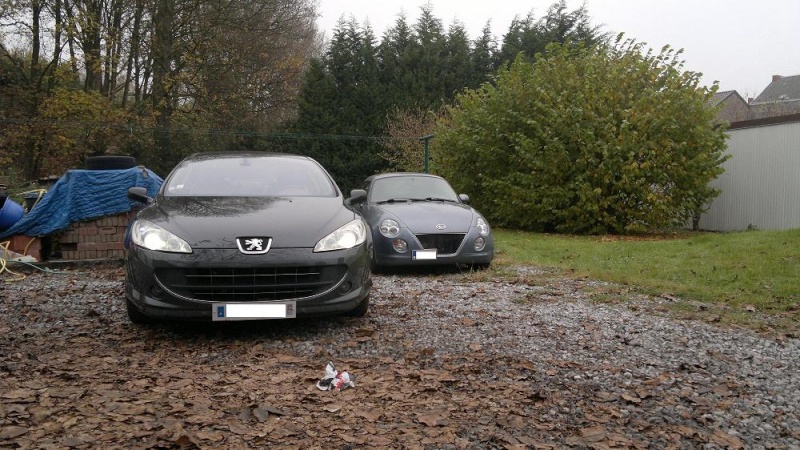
(335, 380)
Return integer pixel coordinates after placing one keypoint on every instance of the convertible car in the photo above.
(246, 236)
(418, 219)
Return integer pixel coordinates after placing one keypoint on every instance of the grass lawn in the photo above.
(739, 275)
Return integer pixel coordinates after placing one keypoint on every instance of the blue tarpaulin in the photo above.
(83, 195)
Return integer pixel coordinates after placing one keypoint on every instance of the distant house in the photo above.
(780, 98)
(732, 107)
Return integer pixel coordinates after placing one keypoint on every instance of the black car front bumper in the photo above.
(185, 286)
(462, 252)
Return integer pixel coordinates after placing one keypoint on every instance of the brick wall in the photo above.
(95, 239)
(25, 245)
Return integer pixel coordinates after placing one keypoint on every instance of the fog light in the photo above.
(346, 286)
(400, 246)
(480, 244)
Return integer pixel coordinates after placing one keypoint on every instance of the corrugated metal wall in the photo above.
(761, 183)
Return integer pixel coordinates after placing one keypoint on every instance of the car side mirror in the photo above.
(139, 194)
(464, 198)
(357, 196)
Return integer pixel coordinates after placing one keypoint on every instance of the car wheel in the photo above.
(110, 162)
(360, 310)
(136, 316)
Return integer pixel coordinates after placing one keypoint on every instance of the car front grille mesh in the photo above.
(445, 244)
(250, 284)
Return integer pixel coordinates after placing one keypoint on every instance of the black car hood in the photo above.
(424, 217)
(215, 222)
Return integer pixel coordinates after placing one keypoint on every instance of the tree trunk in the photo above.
(133, 55)
(162, 54)
(90, 43)
(36, 45)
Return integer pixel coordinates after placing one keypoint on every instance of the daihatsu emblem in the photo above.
(441, 226)
(254, 245)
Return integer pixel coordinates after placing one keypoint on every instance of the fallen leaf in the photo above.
(72, 441)
(371, 415)
(239, 428)
(215, 436)
(643, 393)
(432, 419)
(19, 394)
(273, 410)
(631, 398)
(605, 397)
(12, 432)
(726, 440)
(365, 332)
(593, 434)
(261, 414)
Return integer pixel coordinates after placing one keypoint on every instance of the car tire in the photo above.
(110, 162)
(134, 315)
(360, 310)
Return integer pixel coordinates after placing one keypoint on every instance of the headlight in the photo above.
(390, 228)
(347, 236)
(483, 227)
(153, 237)
(400, 246)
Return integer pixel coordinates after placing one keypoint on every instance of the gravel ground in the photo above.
(595, 375)
(609, 349)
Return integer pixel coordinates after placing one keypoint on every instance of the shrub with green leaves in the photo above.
(610, 139)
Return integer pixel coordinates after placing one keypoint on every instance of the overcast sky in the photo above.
(740, 43)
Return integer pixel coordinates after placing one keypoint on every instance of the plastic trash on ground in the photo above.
(10, 255)
(335, 380)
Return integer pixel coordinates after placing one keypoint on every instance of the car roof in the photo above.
(200, 156)
(371, 178)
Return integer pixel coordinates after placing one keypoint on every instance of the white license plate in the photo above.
(247, 311)
(423, 254)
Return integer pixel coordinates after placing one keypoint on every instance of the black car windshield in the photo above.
(244, 176)
(412, 188)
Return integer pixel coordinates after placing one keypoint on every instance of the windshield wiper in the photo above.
(439, 199)
(395, 200)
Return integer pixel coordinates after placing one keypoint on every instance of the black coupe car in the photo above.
(418, 219)
(246, 236)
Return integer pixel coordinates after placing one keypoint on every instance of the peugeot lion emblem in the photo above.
(440, 226)
(254, 245)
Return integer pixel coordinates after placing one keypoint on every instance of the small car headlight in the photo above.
(400, 246)
(390, 228)
(479, 244)
(483, 227)
(153, 237)
(347, 236)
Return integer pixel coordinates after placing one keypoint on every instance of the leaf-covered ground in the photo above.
(74, 373)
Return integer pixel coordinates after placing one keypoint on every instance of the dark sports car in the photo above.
(418, 219)
(245, 236)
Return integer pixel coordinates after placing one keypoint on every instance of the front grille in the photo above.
(445, 244)
(250, 284)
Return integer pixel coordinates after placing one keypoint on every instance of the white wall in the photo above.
(761, 183)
